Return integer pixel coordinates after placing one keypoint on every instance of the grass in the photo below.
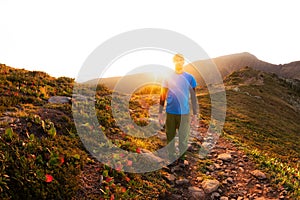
(262, 120)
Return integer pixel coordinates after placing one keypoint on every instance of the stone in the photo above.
(182, 181)
(236, 89)
(241, 169)
(176, 168)
(245, 158)
(161, 135)
(215, 195)
(8, 120)
(199, 178)
(207, 145)
(217, 166)
(211, 168)
(176, 196)
(282, 197)
(225, 157)
(151, 156)
(260, 198)
(170, 177)
(258, 174)
(210, 186)
(224, 198)
(258, 186)
(59, 99)
(229, 180)
(185, 162)
(196, 193)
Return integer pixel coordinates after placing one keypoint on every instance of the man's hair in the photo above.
(178, 55)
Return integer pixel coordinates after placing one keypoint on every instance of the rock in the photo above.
(59, 99)
(217, 166)
(170, 177)
(210, 186)
(260, 198)
(181, 165)
(241, 169)
(224, 198)
(258, 97)
(215, 195)
(229, 180)
(236, 89)
(219, 147)
(161, 135)
(258, 174)
(8, 119)
(199, 178)
(282, 197)
(151, 156)
(224, 182)
(207, 145)
(245, 158)
(258, 186)
(225, 157)
(177, 168)
(176, 196)
(196, 193)
(211, 168)
(185, 162)
(182, 181)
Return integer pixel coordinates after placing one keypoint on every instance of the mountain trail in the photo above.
(226, 173)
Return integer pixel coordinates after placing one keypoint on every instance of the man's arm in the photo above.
(163, 96)
(194, 101)
(194, 107)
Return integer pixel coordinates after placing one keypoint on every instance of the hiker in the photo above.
(177, 88)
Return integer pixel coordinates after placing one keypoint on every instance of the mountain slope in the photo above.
(225, 65)
(267, 108)
(262, 117)
(229, 63)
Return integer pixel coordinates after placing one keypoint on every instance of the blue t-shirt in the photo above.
(179, 86)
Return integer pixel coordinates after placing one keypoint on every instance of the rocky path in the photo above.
(226, 173)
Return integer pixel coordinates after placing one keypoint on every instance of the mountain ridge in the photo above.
(229, 63)
(224, 64)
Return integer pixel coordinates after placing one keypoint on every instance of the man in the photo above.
(177, 89)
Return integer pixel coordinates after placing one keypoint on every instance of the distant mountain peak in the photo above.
(229, 63)
(238, 56)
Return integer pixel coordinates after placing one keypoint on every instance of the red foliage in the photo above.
(48, 178)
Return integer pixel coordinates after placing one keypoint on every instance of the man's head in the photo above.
(178, 60)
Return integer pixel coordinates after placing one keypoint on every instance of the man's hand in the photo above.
(161, 118)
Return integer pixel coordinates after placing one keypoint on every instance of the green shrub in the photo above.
(39, 168)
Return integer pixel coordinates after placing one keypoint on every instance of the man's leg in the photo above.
(184, 132)
(171, 132)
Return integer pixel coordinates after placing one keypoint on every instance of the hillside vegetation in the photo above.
(42, 157)
(263, 114)
(263, 111)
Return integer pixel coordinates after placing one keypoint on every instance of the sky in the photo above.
(57, 36)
